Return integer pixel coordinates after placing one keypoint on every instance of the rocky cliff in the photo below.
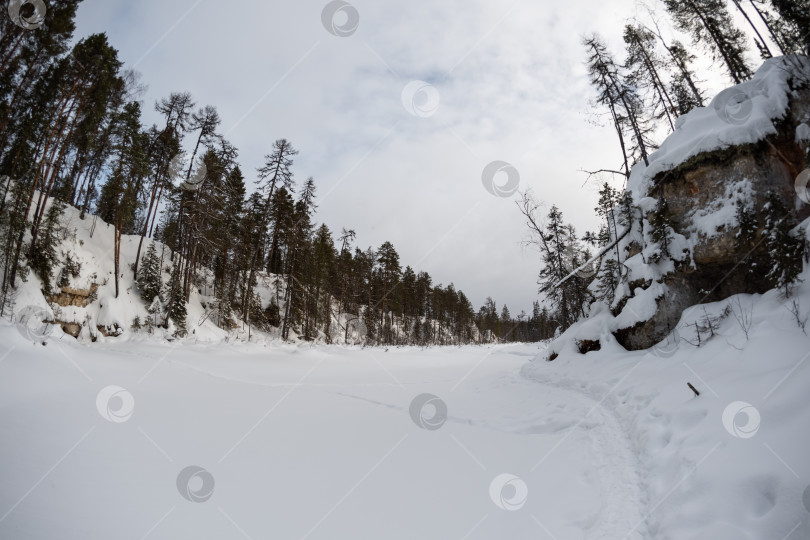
(767, 120)
(750, 143)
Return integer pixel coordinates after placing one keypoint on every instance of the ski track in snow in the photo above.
(622, 492)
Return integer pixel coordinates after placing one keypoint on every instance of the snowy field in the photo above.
(295, 441)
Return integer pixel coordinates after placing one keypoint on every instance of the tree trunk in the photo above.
(750, 22)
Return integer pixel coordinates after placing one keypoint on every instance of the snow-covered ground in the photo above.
(300, 441)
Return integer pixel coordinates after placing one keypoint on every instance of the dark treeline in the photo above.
(641, 96)
(71, 133)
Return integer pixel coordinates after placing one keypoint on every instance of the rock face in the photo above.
(717, 268)
(74, 297)
(70, 328)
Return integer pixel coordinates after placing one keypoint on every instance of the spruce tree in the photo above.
(176, 306)
(43, 259)
(558, 243)
(627, 210)
(155, 314)
(747, 224)
(785, 250)
(745, 239)
(661, 231)
(150, 282)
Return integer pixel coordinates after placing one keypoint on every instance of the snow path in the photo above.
(622, 492)
(306, 442)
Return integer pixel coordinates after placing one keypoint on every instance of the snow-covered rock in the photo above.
(749, 141)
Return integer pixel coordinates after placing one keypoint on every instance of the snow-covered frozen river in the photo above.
(149, 440)
(303, 442)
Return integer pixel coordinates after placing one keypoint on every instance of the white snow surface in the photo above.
(306, 441)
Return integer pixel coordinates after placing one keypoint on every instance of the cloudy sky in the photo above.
(507, 82)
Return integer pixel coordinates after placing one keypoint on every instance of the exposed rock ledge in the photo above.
(716, 268)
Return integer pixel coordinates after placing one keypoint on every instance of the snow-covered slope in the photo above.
(732, 463)
(88, 243)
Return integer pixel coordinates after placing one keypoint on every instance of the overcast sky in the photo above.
(507, 83)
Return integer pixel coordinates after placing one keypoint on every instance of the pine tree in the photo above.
(792, 26)
(118, 203)
(710, 24)
(683, 86)
(164, 147)
(764, 51)
(621, 100)
(299, 247)
(390, 275)
(276, 172)
(646, 69)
